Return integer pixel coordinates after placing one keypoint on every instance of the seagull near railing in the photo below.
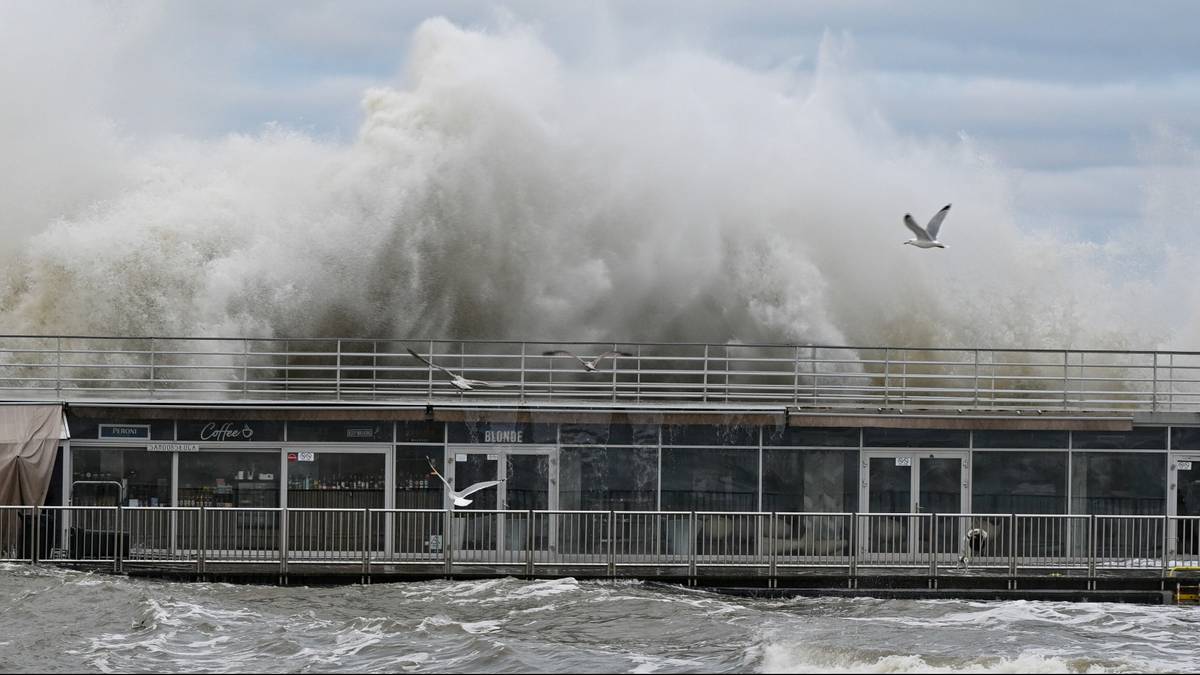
(589, 365)
(459, 497)
(460, 382)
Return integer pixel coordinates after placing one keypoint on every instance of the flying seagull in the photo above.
(463, 383)
(927, 236)
(589, 366)
(460, 498)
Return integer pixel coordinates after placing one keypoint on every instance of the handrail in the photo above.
(82, 368)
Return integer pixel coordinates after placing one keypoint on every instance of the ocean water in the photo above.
(54, 620)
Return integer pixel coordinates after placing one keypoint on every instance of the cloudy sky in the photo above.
(1086, 110)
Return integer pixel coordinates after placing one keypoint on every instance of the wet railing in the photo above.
(76, 368)
(640, 544)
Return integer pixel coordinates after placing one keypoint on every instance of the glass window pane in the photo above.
(1010, 438)
(890, 486)
(825, 437)
(1185, 438)
(703, 479)
(229, 479)
(334, 480)
(710, 434)
(609, 434)
(420, 432)
(603, 479)
(810, 480)
(416, 485)
(1019, 482)
(916, 438)
(1120, 483)
(145, 476)
(1139, 438)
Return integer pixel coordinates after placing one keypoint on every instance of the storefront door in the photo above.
(1183, 501)
(528, 478)
(912, 481)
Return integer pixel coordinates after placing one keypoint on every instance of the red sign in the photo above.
(292, 457)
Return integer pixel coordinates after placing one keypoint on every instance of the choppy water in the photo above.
(57, 620)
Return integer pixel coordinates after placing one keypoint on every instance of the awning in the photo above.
(29, 438)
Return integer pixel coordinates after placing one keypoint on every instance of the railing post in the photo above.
(448, 538)
(1165, 543)
(771, 541)
(704, 387)
(283, 547)
(524, 348)
(796, 378)
(692, 548)
(1012, 545)
(202, 541)
(366, 539)
(612, 548)
(153, 352)
(529, 543)
(1154, 384)
(1091, 551)
(975, 400)
(1066, 374)
(933, 542)
(118, 529)
(887, 374)
(35, 555)
(337, 381)
(245, 367)
(853, 548)
(58, 367)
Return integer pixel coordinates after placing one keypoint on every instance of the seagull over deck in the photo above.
(460, 382)
(588, 365)
(460, 498)
(927, 236)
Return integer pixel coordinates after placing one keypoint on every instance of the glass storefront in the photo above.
(335, 480)
(229, 479)
(1019, 482)
(809, 480)
(1119, 483)
(600, 478)
(709, 479)
(416, 485)
(143, 477)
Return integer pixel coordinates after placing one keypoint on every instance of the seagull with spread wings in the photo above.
(459, 498)
(927, 236)
(588, 365)
(462, 383)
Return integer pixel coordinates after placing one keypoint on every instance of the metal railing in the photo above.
(97, 368)
(640, 544)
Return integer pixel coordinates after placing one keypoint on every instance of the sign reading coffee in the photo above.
(224, 431)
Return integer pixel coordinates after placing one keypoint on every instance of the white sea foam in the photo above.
(787, 658)
(500, 192)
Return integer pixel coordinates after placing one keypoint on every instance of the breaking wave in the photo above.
(499, 192)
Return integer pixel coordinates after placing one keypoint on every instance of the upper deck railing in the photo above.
(77, 368)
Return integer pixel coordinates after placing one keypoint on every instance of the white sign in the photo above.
(173, 447)
(306, 456)
(493, 458)
(460, 457)
(227, 431)
(904, 461)
(1184, 465)
(503, 436)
